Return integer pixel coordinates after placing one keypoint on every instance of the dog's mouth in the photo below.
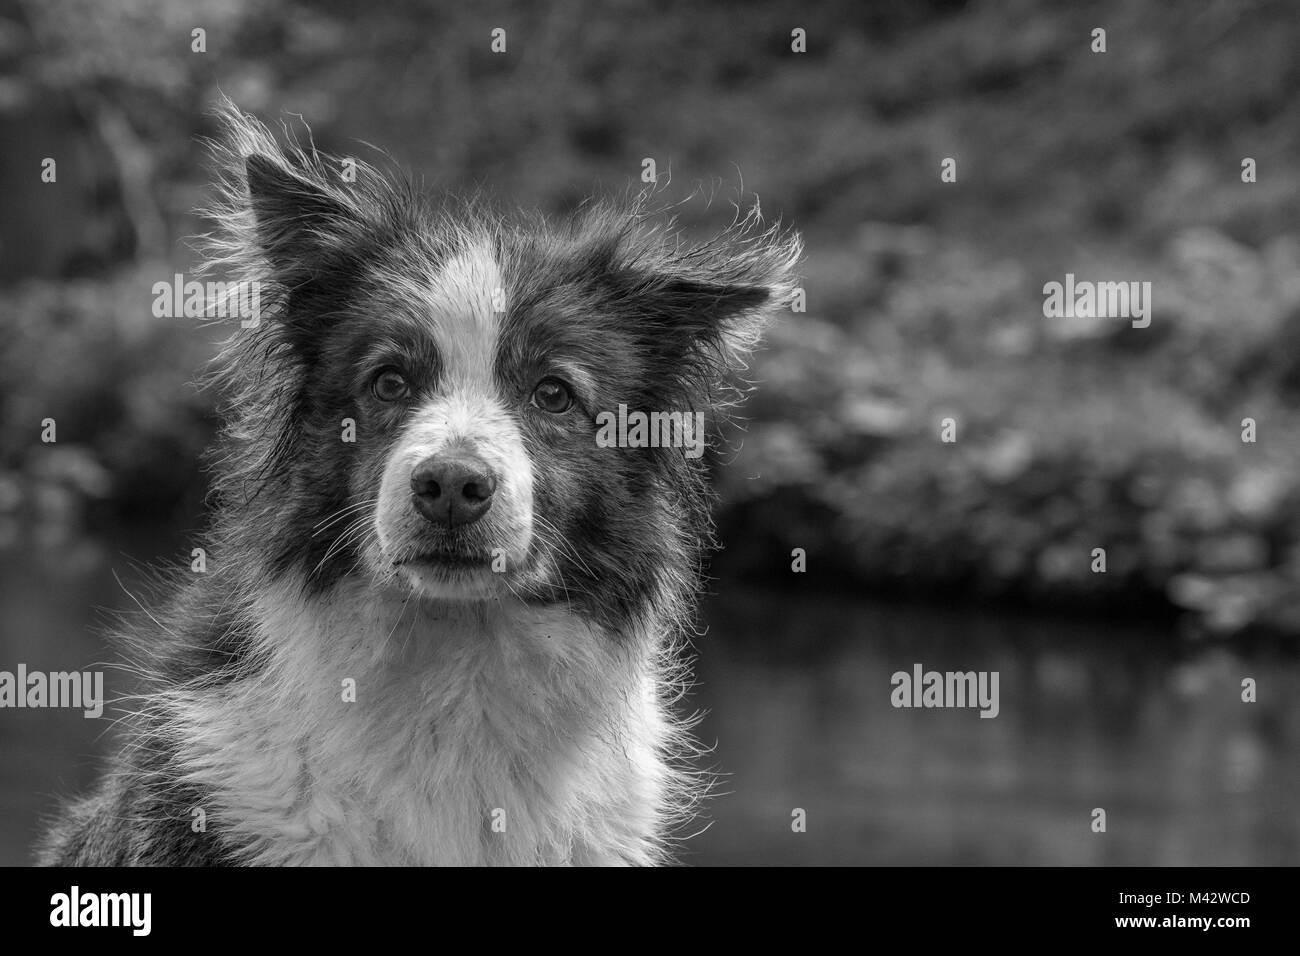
(451, 574)
(447, 559)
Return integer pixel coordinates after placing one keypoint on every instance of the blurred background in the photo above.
(1118, 690)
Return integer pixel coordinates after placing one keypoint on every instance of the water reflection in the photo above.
(1092, 715)
(797, 694)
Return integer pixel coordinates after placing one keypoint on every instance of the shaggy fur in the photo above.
(521, 714)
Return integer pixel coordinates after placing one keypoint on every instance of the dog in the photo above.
(439, 623)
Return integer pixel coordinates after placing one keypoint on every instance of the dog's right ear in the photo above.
(282, 214)
(298, 220)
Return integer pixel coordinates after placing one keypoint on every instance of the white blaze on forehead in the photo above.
(461, 302)
(464, 410)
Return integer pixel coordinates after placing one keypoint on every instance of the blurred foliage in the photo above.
(924, 298)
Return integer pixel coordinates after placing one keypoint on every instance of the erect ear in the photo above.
(712, 313)
(281, 216)
(707, 306)
(297, 220)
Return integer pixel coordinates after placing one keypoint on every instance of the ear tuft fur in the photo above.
(280, 210)
(717, 297)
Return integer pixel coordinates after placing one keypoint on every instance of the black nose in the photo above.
(453, 489)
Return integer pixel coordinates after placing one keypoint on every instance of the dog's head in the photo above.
(448, 400)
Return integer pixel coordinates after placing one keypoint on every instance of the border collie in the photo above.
(441, 623)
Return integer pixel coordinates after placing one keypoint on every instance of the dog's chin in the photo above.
(451, 577)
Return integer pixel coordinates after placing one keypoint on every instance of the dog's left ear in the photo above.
(706, 307)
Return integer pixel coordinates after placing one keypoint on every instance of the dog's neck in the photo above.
(385, 728)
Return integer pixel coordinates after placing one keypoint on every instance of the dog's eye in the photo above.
(389, 386)
(552, 395)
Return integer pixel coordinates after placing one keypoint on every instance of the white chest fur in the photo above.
(490, 733)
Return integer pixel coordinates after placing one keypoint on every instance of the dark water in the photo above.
(797, 693)
(1092, 715)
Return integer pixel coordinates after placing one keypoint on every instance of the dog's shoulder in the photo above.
(129, 821)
